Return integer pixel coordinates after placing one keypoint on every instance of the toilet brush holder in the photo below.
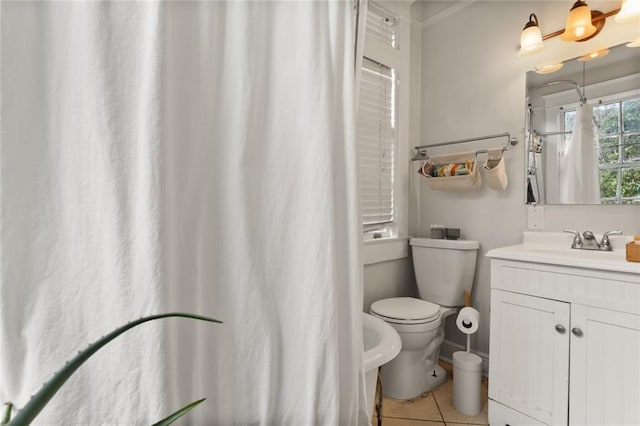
(467, 367)
(467, 377)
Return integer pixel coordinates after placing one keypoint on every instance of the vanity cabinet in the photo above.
(529, 359)
(564, 344)
(605, 367)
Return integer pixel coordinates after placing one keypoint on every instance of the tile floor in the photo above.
(432, 408)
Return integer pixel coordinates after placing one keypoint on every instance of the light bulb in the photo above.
(579, 23)
(531, 37)
(629, 12)
(594, 55)
(548, 69)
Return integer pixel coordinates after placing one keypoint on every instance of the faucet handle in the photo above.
(605, 244)
(577, 239)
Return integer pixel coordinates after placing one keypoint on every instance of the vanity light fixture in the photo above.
(629, 12)
(582, 25)
(548, 69)
(592, 56)
(579, 26)
(531, 38)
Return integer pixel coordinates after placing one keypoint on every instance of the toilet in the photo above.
(444, 270)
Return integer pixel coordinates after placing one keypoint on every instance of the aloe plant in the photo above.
(6, 416)
(181, 412)
(38, 401)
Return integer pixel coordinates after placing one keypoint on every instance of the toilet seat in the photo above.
(406, 310)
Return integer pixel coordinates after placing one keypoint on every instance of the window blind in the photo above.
(376, 142)
(382, 25)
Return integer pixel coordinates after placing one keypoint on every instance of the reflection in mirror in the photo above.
(583, 131)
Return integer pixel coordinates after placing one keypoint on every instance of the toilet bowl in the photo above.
(444, 270)
(418, 323)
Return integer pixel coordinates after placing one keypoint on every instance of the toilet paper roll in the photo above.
(468, 320)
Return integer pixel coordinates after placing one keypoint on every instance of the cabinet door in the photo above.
(605, 367)
(529, 355)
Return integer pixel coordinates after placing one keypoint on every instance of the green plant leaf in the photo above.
(181, 412)
(6, 416)
(38, 401)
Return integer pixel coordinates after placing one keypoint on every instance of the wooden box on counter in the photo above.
(633, 252)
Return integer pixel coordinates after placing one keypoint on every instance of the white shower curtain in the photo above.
(192, 156)
(578, 178)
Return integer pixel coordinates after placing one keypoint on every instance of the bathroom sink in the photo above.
(555, 249)
(381, 344)
(569, 253)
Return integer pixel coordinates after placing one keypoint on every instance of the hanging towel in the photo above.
(495, 170)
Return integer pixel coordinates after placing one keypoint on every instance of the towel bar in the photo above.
(421, 151)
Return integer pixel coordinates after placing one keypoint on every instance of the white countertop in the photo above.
(555, 248)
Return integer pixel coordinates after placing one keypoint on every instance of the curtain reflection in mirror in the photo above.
(578, 181)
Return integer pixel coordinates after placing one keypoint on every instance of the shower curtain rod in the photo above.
(581, 95)
(552, 133)
(421, 151)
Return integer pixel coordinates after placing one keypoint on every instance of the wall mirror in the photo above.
(583, 131)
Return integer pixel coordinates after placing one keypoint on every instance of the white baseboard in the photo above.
(448, 348)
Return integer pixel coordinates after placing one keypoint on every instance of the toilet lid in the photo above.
(406, 310)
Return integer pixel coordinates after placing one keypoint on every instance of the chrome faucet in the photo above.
(587, 241)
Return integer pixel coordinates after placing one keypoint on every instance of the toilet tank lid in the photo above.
(445, 244)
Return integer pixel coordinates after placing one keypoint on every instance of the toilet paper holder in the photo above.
(468, 321)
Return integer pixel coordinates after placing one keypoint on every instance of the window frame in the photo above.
(397, 59)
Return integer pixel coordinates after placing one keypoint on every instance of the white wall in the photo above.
(388, 279)
(473, 84)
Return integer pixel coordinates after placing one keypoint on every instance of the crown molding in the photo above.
(451, 10)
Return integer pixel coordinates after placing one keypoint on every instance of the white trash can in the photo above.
(467, 375)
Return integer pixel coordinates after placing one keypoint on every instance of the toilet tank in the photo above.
(444, 269)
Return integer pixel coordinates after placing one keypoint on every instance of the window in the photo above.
(382, 26)
(379, 135)
(619, 140)
(376, 144)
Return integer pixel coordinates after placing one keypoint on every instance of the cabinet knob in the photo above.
(576, 332)
(560, 328)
